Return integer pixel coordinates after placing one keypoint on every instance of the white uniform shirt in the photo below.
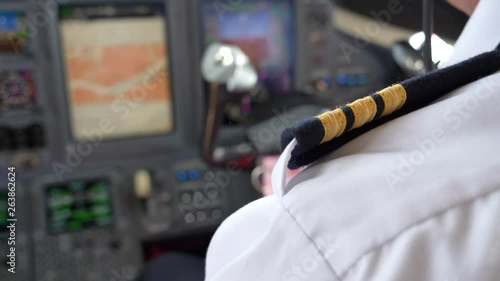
(415, 199)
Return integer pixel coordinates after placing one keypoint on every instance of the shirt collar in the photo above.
(481, 33)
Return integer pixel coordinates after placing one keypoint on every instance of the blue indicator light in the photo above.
(351, 80)
(342, 80)
(182, 176)
(362, 80)
(194, 175)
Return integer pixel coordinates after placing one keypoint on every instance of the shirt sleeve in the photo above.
(262, 241)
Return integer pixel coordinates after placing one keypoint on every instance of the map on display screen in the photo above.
(117, 70)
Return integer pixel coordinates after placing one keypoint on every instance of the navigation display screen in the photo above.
(117, 70)
(13, 32)
(78, 205)
(264, 30)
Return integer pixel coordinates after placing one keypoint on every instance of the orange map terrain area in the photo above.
(99, 75)
(111, 62)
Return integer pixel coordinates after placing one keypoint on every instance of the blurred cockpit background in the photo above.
(130, 129)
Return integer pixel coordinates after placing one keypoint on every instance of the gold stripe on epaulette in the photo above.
(334, 124)
(364, 111)
(394, 98)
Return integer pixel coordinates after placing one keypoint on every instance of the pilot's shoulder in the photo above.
(400, 174)
(262, 241)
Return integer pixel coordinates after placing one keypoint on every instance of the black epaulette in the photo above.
(323, 134)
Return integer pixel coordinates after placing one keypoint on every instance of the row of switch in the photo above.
(352, 80)
(202, 216)
(200, 199)
(21, 138)
(201, 203)
(185, 176)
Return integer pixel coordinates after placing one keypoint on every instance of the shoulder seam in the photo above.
(420, 222)
(325, 258)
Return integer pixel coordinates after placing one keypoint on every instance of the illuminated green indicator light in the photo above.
(104, 221)
(82, 215)
(100, 196)
(99, 187)
(58, 208)
(74, 225)
(3, 218)
(59, 192)
(76, 186)
(101, 211)
(65, 12)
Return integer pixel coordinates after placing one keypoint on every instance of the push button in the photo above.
(182, 176)
(216, 214)
(201, 216)
(186, 198)
(362, 80)
(199, 201)
(212, 192)
(194, 175)
(189, 218)
(351, 80)
(342, 80)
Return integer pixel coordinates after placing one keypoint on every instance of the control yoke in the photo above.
(224, 65)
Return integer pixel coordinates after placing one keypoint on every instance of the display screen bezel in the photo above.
(188, 107)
